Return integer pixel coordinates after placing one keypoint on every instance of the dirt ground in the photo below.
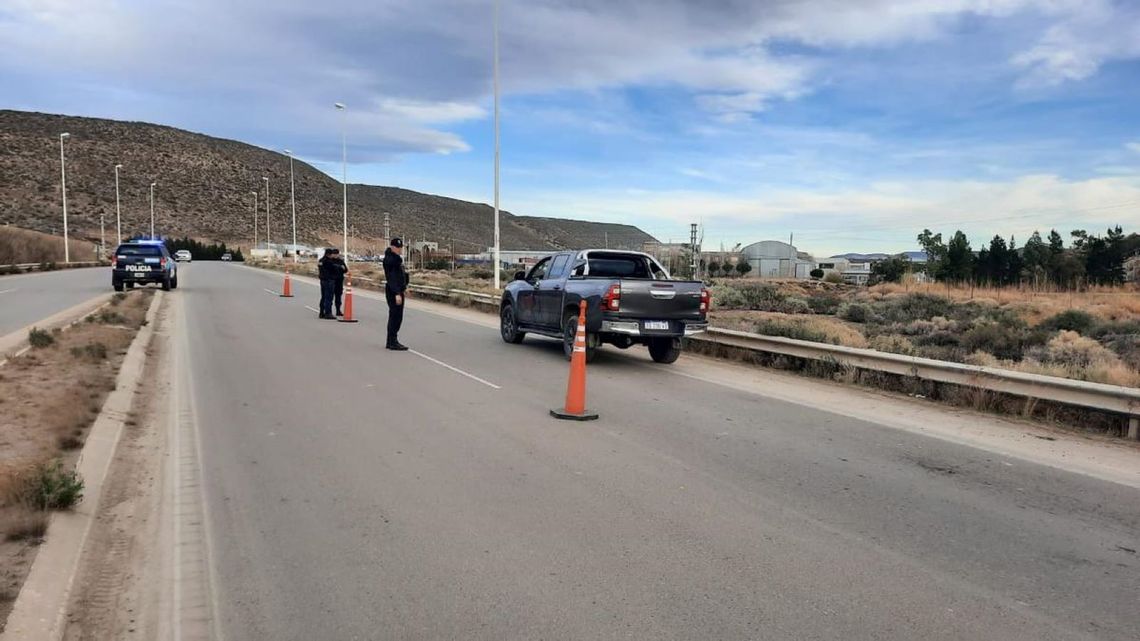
(108, 601)
(49, 398)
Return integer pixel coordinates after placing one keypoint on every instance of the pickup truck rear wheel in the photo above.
(664, 350)
(509, 325)
(569, 332)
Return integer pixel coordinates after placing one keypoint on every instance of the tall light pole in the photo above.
(152, 210)
(344, 169)
(293, 201)
(63, 186)
(118, 211)
(267, 241)
(254, 223)
(497, 262)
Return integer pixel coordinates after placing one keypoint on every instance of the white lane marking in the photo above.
(312, 309)
(454, 369)
(269, 291)
(5, 291)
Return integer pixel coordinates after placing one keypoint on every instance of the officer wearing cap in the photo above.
(395, 289)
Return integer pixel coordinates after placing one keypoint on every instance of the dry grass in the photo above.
(26, 246)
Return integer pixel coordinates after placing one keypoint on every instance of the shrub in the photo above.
(93, 351)
(833, 277)
(823, 303)
(776, 327)
(727, 297)
(30, 527)
(854, 312)
(1074, 320)
(894, 344)
(1003, 341)
(793, 305)
(1071, 350)
(816, 273)
(483, 274)
(914, 307)
(39, 338)
(118, 298)
(49, 487)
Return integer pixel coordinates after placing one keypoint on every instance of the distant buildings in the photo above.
(776, 259)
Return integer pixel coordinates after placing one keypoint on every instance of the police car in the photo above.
(139, 262)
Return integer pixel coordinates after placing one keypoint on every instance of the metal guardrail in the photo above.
(1099, 396)
(1111, 398)
(29, 267)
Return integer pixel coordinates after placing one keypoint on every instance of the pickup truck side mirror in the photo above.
(520, 275)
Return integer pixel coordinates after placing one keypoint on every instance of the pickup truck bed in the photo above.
(630, 300)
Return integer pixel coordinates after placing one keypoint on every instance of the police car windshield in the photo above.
(138, 250)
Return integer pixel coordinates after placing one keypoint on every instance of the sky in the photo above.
(850, 126)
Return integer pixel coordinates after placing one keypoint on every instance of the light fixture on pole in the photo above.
(152, 210)
(63, 189)
(344, 169)
(118, 211)
(497, 261)
(267, 241)
(254, 223)
(293, 202)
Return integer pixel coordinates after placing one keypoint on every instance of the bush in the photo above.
(914, 307)
(92, 351)
(483, 274)
(855, 313)
(1073, 320)
(816, 273)
(118, 298)
(834, 278)
(1003, 341)
(1071, 350)
(893, 344)
(49, 487)
(39, 338)
(823, 303)
(773, 327)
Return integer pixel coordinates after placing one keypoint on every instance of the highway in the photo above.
(28, 298)
(356, 493)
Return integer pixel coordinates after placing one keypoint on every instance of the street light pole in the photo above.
(63, 187)
(118, 211)
(152, 210)
(344, 169)
(102, 237)
(497, 262)
(267, 240)
(254, 223)
(293, 201)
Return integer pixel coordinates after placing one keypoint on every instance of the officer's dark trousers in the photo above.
(395, 318)
(327, 288)
(338, 291)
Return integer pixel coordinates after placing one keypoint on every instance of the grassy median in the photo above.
(49, 398)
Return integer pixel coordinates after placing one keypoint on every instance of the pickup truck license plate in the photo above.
(661, 325)
(141, 274)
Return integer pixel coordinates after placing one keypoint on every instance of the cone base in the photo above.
(347, 320)
(567, 416)
(285, 296)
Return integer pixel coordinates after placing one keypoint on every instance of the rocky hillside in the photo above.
(204, 184)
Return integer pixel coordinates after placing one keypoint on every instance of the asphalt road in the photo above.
(27, 298)
(355, 493)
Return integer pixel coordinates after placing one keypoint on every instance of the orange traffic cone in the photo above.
(287, 290)
(575, 409)
(347, 301)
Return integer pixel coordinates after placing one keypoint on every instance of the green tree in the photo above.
(714, 268)
(743, 267)
(890, 270)
(931, 243)
(816, 273)
(1036, 259)
(959, 261)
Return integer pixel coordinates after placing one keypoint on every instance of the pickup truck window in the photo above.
(138, 250)
(538, 272)
(558, 267)
(623, 266)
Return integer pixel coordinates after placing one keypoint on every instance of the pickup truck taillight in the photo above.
(706, 300)
(612, 300)
(162, 262)
(114, 261)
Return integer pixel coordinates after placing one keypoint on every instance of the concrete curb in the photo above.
(40, 609)
(13, 341)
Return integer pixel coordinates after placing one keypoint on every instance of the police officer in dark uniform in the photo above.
(395, 290)
(326, 271)
(340, 268)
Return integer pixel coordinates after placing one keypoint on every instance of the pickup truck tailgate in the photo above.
(661, 299)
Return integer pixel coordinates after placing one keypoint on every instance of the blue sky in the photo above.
(852, 125)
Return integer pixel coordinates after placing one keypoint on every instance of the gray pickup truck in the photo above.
(630, 300)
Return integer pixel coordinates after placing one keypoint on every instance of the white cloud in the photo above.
(1133, 146)
(432, 112)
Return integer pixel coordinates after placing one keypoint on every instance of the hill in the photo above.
(204, 186)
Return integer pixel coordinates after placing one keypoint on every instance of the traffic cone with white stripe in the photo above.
(347, 301)
(575, 408)
(287, 289)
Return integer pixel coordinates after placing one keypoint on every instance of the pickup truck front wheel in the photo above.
(664, 350)
(509, 325)
(569, 332)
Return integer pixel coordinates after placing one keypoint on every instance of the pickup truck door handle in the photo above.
(558, 288)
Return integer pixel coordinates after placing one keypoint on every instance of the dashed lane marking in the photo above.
(454, 369)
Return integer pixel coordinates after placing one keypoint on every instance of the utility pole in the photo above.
(118, 211)
(63, 188)
(344, 168)
(254, 193)
(102, 237)
(695, 250)
(267, 241)
(496, 74)
(152, 210)
(387, 233)
(293, 201)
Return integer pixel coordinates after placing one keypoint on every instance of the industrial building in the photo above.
(776, 259)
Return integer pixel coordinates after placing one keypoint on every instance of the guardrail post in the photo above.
(1134, 428)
